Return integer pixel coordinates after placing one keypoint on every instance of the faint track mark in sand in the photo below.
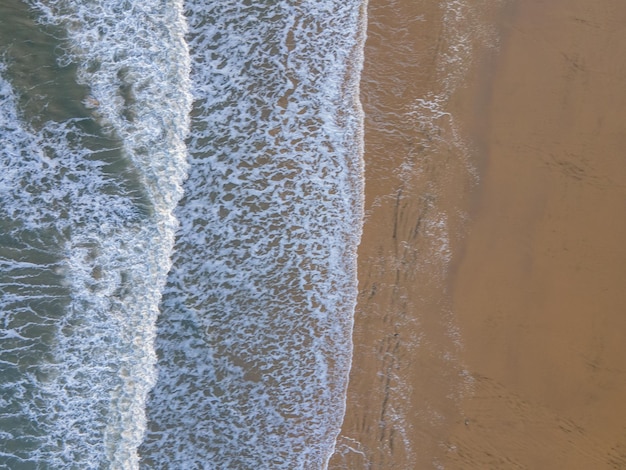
(502, 430)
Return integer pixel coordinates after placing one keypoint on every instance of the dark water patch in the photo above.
(33, 299)
(47, 89)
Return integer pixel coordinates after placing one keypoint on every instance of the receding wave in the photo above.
(255, 334)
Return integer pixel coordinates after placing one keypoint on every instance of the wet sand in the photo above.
(407, 380)
(491, 324)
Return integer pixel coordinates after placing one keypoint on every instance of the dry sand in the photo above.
(540, 289)
(496, 340)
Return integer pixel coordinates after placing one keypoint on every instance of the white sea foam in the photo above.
(110, 248)
(254, 340)
(255, 333)
(53, 201)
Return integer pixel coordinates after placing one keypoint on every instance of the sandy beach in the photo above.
(490, 329)
(407, 379)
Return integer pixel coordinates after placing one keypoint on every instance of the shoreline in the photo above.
(507, 350)
(417, 173)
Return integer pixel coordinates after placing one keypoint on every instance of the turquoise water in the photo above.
(180, 205)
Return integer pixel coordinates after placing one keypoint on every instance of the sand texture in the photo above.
(491, 326)
(540, 288)
(407, 380)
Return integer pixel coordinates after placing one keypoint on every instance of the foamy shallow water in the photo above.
(254, 339)
(254, 324)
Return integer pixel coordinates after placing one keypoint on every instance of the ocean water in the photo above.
(180, 205)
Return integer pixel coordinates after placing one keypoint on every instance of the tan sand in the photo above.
(407, 379)
(540, 290)
(533, 304)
